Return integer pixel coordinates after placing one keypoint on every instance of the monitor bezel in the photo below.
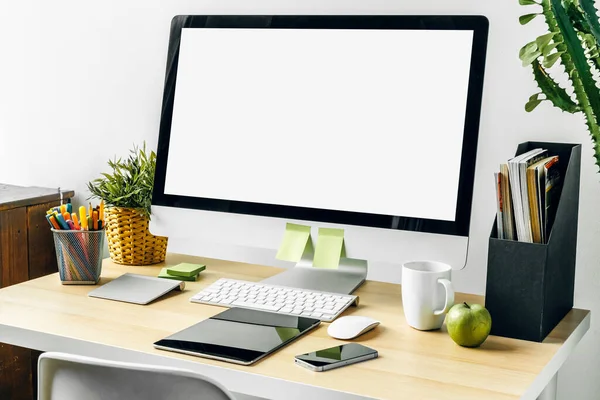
(460, 225)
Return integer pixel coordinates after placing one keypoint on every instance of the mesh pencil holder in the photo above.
(79, 256)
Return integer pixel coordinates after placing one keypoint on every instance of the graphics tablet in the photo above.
(238, 335)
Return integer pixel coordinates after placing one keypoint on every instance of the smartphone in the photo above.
(335, 357)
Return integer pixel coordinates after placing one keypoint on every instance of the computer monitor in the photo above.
(368, 123)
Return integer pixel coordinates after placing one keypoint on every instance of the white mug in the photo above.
(427, 293)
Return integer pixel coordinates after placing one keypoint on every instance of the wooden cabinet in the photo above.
(26, 252)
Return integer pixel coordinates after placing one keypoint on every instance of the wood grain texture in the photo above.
(18, 196)
(14, 260)
(42, 256)
(419, 365)
(15, 373)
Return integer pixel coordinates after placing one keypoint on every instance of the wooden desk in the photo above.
(45, 315)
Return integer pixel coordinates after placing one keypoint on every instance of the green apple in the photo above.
(468, 325)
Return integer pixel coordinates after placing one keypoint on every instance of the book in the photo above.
(533, 186)
(499, 212)
(508, 218)
(553, 182)
(536, 185)
(517, 168)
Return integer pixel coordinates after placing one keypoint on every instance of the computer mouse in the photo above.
(351, 326)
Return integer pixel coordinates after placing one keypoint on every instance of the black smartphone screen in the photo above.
(336, 354)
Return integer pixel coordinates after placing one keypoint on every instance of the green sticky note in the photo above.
(295, 241)
(186, 269)
(329, 249)
(164, 274)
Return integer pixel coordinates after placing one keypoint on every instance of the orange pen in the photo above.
(95, 219)
(75, 221)
(53, 222)
(66, 216)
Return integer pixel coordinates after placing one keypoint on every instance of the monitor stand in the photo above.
(350, 274)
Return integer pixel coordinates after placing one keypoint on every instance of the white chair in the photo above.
(69, 377)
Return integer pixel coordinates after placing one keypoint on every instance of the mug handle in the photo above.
(449, 296)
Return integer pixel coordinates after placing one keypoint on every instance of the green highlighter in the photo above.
(164, 274)
(186, 270)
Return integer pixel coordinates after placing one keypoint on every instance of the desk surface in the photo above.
(415, 364)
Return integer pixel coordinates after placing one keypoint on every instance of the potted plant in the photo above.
(127, 193)
(572, 40)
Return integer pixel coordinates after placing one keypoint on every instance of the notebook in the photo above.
(138, 289)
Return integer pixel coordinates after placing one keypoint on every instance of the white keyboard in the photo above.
(278, 299)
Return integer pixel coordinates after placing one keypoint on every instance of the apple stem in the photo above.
(466, 305)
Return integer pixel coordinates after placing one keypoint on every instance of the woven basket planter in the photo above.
(130, 241)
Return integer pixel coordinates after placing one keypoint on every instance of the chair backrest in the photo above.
(69, 377)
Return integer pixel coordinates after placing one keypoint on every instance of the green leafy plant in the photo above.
(131, 182)
(572, 40)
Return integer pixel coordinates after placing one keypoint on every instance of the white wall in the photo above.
(81, 82)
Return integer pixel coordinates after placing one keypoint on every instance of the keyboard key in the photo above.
(316, 315)
(286, 310)
(297, 311)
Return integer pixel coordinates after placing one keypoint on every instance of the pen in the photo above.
(71, 225)
(61, 222)
(69, 208)
(83, 218)
(53, 222)
(101, 213)
(66, 216)
(90, 224)
(75, 221)
(95, 219)
(63, 209)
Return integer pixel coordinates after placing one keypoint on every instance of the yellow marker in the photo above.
(101, 216)
(83, 218)
(63, 209)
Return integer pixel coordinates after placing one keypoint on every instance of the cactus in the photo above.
(573, 40)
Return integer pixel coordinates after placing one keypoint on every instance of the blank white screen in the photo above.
(355, 120)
